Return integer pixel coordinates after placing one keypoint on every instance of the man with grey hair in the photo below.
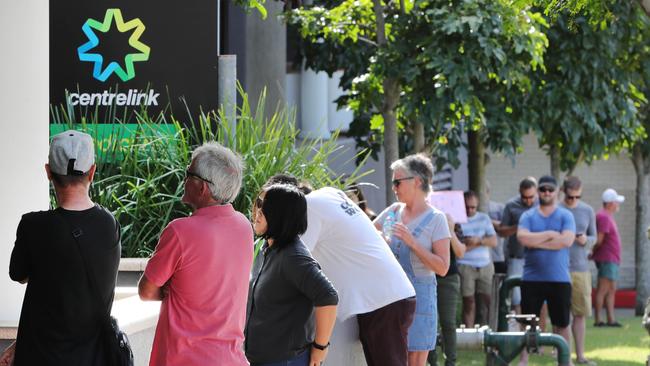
(200, 268)
(54, 253)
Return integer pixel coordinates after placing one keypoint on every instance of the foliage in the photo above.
(584, 104)
(141, 166)
(456, 61)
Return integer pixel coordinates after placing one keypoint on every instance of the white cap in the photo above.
(610, 195)
(71, 153)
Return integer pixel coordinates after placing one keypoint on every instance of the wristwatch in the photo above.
(320, 347)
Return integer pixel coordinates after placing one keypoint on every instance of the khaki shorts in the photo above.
(581, 294)
(475, 280)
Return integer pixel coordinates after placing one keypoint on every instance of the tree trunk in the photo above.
(642, 243)
(555, 162)
(418, 137)
(391, 98)
(476, 167)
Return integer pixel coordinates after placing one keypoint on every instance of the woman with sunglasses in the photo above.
(419, 239)
(291, 304)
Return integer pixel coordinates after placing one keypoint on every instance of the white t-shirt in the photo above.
(352, 254)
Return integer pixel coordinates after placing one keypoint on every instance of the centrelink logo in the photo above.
(101, 73)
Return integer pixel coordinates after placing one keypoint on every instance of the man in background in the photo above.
(607, 255)
(585, 220)
(59, 322)
(513, 210)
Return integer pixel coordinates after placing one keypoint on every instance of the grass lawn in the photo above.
(626, 346)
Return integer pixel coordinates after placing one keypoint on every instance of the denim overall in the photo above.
(423, 331)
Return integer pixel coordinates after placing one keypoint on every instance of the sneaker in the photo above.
(585, 361)
(614, 324)
(599, 324)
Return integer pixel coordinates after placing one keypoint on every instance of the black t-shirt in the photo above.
(59, 322)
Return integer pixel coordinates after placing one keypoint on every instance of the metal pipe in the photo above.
(507, 285)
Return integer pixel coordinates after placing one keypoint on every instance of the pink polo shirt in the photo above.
(610, 249)
(206, 258)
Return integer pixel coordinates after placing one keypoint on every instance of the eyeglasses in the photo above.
(189, 174)
(546, 189)
(396, 182)
(573, 197)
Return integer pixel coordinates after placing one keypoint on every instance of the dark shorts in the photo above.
(383, 333)
(556, 294)
(500, 267)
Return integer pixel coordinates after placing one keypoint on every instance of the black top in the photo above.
(59, 323)
(287, 283)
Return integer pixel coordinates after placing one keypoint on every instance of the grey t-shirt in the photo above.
(511, 214)
(495, 211)
(435, 230)
(585, 224)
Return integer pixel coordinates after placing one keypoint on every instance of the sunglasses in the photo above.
(396, 182)
(573, 197)
(547, 189)
(189, 174)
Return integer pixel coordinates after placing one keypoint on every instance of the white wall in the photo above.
(24, 101)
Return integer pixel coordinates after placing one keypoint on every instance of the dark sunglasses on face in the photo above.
(189, 174)
(573, 197)
(546, 189)
(396, 182)
(527, 197)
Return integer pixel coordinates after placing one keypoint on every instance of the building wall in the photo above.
(616, 172)
(24, 100)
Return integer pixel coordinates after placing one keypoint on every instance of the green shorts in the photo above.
(607, 270)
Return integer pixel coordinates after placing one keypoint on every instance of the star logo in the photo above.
(99, 72)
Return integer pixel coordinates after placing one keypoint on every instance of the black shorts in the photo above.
(556, 294)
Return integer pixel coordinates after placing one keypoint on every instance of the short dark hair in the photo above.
(281, 178)
(285, 210)
(572, 182)
(470, 194)
(527, 183)
(68, 180)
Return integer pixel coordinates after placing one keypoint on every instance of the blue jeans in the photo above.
(300, 360)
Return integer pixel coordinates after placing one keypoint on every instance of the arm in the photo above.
(7, 358)
(591, 231)
(437, 259)
(148, 291)
(456, 245)
(19, 264)
(489, 241)
(534, 240)
(325, 317)
(599, 242)
(506, 230)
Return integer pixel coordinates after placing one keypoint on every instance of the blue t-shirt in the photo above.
(543, 264)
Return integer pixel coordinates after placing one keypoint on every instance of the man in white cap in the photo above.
(54, 252)
(607, 255)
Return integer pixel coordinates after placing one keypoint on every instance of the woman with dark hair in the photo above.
(291, 304)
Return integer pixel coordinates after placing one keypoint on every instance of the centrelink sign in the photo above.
(159, 55)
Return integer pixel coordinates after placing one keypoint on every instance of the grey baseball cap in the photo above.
(71, 153)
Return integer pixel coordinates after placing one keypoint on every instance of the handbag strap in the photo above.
(77, 233)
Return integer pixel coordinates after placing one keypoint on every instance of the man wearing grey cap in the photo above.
(61, 313)
(547, 232)
(607, 255)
